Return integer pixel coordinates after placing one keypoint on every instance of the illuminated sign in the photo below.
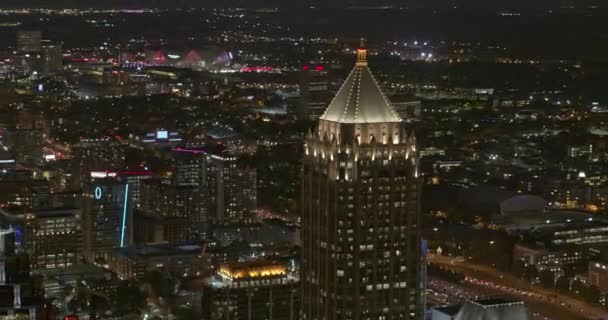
(124, 216)
(162, 135)
(98, 193)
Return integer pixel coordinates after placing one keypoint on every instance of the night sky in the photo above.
(476, 4)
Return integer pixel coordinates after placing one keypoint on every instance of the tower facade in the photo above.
(361, 251)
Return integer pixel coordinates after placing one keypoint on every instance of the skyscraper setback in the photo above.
(361, 255)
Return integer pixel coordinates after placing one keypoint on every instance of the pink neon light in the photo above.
(187, 150)
(83, 59)
(257, 69)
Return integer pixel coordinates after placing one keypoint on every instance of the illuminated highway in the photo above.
(539, 300)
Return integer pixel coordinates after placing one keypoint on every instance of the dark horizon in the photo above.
(421, 4)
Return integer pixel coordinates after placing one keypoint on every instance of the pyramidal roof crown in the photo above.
(360, 99)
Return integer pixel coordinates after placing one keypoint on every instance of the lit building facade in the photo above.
(95, 155)
(231, 187)
(52, 59)
(361, 251)
(179, 209)
(254, 290)
(53, 238)
(26, 146)
(29, 41)
(315, 92)
(189, 167)
(107, 217)
(19, 296)
(134, 262)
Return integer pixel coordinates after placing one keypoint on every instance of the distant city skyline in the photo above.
(434, 4)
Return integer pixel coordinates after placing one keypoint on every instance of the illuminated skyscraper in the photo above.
(231, 186)
(361, 251)
(315, 93)
(189, 167)
(107, 217)
(53, 237)
(52, 59)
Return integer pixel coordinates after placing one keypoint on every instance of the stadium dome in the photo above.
(523, 203)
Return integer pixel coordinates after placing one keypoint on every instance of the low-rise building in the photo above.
(178, 260)
(266, 289)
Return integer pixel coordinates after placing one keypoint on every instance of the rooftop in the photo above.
(256, 269)
(360, 99)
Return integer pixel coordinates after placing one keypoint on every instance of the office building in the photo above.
(558, 261)
(52, 59)
(315, 93)
(29, 41)
(134, 262)
(231, 186)
(26, 146)
(20, 298)
(189, 167)
(53, 237)
(170, 213)
(107, 217)
(134, 178)
(18, 191)
(361, 247)
(252, 290)
(97, 154)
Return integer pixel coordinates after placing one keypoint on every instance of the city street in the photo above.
(539, 300)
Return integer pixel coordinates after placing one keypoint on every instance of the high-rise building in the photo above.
(252, 290)
(361, 246)
(29, 41)
(189, 167)
(95, 155)
(19, 294)
(27, 193)
(315, 94)
(26, 146)
(134, 178)
(231, 186)
(170, 213)
(52, 59)
(53, 237)
(107, 217)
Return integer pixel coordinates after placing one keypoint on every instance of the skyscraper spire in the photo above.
(361, 246)
(362, 53)
(360, 99)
